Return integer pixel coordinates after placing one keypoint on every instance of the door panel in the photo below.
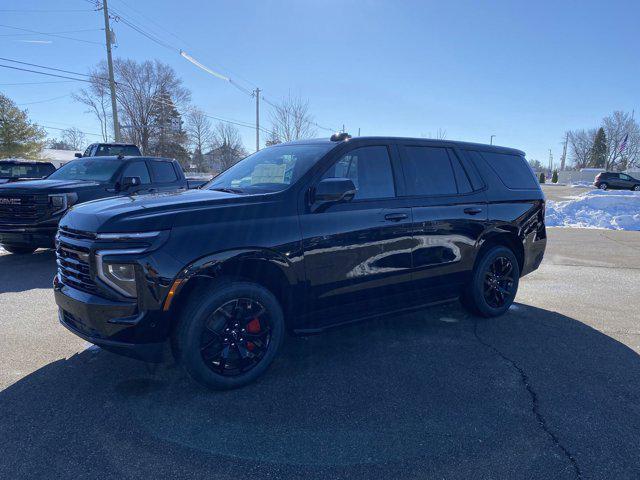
(357, 251)
(445, 237)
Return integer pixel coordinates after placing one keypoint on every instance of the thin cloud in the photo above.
(37, 42)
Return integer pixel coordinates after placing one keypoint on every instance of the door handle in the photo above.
(472, 211)
(395, 217)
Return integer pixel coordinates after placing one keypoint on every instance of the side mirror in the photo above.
(130, 182)
(78, 155)
(333, 190)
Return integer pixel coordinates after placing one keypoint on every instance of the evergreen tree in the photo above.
(554, 176)
(19, 137)
(168, 139)
(598, 156)
(542, 178)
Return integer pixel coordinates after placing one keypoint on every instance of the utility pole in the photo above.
(112, 83)
(491, 140)
(256, 92)
(550, 161)
(563, 160)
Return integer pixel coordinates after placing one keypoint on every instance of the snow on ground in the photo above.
(612, 209)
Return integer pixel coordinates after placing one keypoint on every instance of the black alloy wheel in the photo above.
(498, 282)
(236, 337)
(494, 282)
(228, 333)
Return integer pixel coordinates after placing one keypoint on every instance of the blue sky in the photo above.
(523, 71)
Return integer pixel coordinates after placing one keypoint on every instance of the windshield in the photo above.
(270, 170)
(13, 170)
(115, 150)
(91, 169)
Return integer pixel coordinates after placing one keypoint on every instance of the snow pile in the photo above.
(617, 210)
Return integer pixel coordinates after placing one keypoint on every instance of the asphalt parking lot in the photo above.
(550, 390)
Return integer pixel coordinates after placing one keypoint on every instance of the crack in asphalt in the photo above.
(535, 407)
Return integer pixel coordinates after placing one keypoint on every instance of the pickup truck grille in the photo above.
(73, 265)
(20, 209)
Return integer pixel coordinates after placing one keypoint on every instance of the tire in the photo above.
(212, 341)
(489, 283)
(636, 188)
(19, 250)
(603, 186)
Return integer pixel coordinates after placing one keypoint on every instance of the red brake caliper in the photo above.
(253, 327)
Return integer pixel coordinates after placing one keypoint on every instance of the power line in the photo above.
(44, 11)
(51, 35)
(52, 68)
(63, 129)
(43, 101)
(45, 73)
(34, 83)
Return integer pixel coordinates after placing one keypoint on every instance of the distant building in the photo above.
(57, 157)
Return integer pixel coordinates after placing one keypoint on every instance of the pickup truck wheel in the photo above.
(603, 186)
(228, 336)
(636, 188)
(19, 250)
(494, 283)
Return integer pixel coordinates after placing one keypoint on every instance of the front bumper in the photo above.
(28, 235)
(115, 326)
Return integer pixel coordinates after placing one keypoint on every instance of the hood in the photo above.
(146, 212)
(47, 186)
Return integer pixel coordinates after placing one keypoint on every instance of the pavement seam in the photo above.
(535, 407)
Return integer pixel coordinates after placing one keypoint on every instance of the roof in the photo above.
(444, 143)
(22, 160)
(57, 154)
(115, 144)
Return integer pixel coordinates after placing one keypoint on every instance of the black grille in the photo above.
(22, 208)
(76, 234)
(73, 266)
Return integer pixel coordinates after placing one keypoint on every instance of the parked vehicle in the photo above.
(20, 170)
(111, 150)
(30, 211)
(299, 237)
(616, 181)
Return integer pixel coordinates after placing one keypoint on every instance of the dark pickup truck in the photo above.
(21, 170)
(30, 211)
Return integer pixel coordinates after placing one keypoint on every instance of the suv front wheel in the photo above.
(228, 336)
(494, 284)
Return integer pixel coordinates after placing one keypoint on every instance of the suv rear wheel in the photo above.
(18, 250)
(228, 336)
(636, 188)
(603, 186)
(494, 283)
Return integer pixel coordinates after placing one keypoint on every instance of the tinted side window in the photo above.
(131, 151)
(428, 171)
(138, 169)
(468, 159)
(513, 170)
(370, 170)
(163, 172)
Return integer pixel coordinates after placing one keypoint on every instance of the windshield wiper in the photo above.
(228, 190)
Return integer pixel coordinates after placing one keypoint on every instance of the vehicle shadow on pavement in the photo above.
(25, 272)
(437, 393)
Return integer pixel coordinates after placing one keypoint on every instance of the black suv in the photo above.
(300, 236)
(616, 181)
(20, 170)
(30, 211)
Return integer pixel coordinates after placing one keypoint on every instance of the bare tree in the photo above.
(441, 134)
(141, 88)
(291, 120)
(620, 127)
(227, 145)
(74, 138)
(200, 134)
(97, 98)
(581, 143)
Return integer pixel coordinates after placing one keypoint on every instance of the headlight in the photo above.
(129, 236)
(119, 276)
(61, 202)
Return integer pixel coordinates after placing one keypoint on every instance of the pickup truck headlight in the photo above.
(118, 275)
(61, 202)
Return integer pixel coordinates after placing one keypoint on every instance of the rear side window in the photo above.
(138, 169)
(428, 171)
(370, 170)
(513, 170)
(163, 172)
